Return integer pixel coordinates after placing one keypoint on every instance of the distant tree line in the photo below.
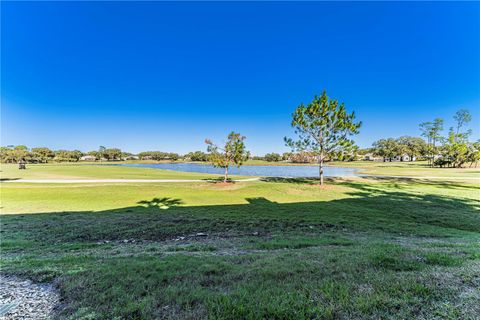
(15, 154)
(453, 150)
(388, 149)
(158, 155)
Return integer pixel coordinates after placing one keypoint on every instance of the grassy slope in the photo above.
(285, 249)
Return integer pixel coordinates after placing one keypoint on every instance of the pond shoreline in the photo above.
(252, 170)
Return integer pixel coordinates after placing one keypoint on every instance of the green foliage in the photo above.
(323, 127)
(197, 156)
(386, 148)
(431, 131)
(406, 145)
(158, 155)
(273, 157)
(232, 153)
(456, 149)
(67, 156)
(412, 146)
(43, 155)
(15, 154)
(462, 117)
(112, 154)
(286, 156)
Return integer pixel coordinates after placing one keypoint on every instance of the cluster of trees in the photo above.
(196, 156)
(270, 157)
(452, 150)
(455, 149)
(273, 157)
(389, 148)
(15, 154)
(158, 155)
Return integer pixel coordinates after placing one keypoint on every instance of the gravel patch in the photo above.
(30, 300)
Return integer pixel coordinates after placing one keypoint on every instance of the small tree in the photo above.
(233, 153)
(275, 157)
(462, 117)
(323, 128)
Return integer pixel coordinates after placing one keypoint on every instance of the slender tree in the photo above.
(431, 131)
(462, 117)
(323, 128)
(101, 153)
(426, 129)
(232, 153)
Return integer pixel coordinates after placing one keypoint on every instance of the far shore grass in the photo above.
(96, 171)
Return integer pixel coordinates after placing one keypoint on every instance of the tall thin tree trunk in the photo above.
(320, 169)
(225, 178)
(433, 152)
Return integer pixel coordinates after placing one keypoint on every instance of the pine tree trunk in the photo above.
(320, 168)
(226, 174)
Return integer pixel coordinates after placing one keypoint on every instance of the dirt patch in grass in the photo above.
(23, 299)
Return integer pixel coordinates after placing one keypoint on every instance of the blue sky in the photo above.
(164, 76)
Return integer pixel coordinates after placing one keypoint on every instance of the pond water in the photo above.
(262, 171)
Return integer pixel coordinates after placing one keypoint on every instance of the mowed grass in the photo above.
(93, 171)
(413, 169)
(279, 249)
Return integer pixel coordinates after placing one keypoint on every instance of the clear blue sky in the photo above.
(164, 76)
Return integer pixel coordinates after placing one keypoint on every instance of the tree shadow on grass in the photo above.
(160, 203)
(305, 180)
(397, 182)
(219, 180)
(364, 209)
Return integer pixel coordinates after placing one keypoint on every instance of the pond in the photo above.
(261, 171)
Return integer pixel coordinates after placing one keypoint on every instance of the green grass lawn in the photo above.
(93, 171)
(279, 249)
(416, 168)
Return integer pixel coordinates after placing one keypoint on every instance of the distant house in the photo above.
(131, 158)
(372, 157)
(88, 158)
(404, 157)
